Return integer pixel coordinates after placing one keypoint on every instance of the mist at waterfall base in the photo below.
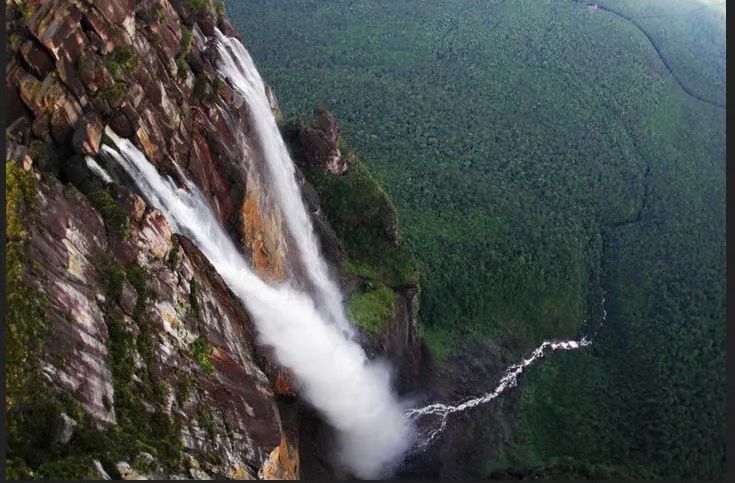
(352, 393)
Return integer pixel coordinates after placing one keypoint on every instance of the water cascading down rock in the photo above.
(353, 394)
(235, 64)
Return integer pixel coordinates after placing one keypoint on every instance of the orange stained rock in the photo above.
(284, 385)
(282, 463)
(263, 248)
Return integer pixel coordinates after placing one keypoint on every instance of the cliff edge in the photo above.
(127, 354)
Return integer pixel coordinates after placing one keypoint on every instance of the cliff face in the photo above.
(127, 353)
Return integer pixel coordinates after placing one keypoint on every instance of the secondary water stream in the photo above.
(433, 419)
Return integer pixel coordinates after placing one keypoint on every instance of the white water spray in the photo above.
(97, 169)
(509, 380)
(236, 65)
(352, 393)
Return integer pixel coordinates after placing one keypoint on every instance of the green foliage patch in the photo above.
(25, 320)
(197, 6)
(115, 217)
(372, 308)
(365, 220)
(202, 350)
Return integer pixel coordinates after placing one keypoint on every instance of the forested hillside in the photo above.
(541, 154)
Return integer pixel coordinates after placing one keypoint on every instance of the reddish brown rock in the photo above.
(128, 298)
(319, 140)
(64, 119)
(131, 114)
(170, 39)
(69, 76)
(282, 463)
(284, 385)
(37, 58)
(65, 232)
(114, 11)
(325, 122)
(40, 97)
(103, 33)
(149, 136)
(93, 72)
(122, 125)
(87, 136)
(100, 106)
(57, 25)
(319, 150)
(134, 205)
(136, 96)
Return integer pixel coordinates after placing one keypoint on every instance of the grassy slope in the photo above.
(526, 145)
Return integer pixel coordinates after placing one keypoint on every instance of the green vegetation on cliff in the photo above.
(115, 217)
(538, 153)
(364, 220)
(25, 320)
(370, 309)
(361, 213)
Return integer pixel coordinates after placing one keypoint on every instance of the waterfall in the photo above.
(97, 169)
(235, 64)
(352, 393)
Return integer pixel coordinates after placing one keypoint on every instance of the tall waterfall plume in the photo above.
(352, 393)
(235, 64)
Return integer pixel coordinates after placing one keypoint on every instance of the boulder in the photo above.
(71, 79)
(64, 120)
(66, 431)
(39, 61)
(40, 97)
(320, 151)
(127, 472)
(101, 34)
(57, 26)
(122, 125)
(87, 136)
(284, 385)
(323, 121)
(100, 470)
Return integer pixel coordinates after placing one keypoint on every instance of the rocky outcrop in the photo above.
(151, 346)
(320, 143)
(200, 341)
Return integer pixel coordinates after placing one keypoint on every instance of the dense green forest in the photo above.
(541, 153)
